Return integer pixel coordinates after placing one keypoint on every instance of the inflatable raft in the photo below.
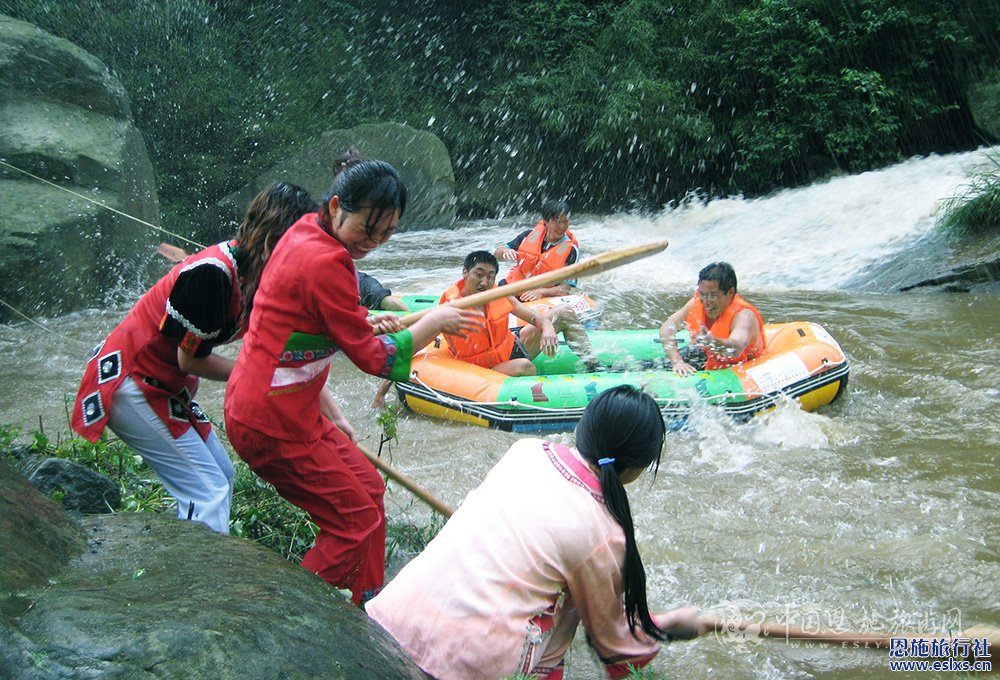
(802, 361)
(586, 309)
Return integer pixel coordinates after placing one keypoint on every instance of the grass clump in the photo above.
(977, 209)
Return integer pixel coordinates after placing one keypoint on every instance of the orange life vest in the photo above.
(722, 328)
(491, 345)
(531, 261)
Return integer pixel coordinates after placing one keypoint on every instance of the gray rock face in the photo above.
(981, 277)
(37, 536)
(65, 119)
(984, 102)
(421, 158)
(143, 595)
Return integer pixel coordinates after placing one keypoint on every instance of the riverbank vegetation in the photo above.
(614, 104)
(976, 210)
(258, 512)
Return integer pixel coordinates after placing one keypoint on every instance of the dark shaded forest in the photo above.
(628, 104)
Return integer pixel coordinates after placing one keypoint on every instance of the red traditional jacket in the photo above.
(305, 309)
(144, 347)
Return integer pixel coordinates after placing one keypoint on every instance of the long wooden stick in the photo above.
(407, 483)
(590, 266)
(847, 638)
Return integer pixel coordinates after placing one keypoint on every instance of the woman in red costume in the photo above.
(141, 380)
(280, 418)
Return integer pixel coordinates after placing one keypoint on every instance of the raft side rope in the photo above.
(460, 405)
(713, 400)
(100, 204)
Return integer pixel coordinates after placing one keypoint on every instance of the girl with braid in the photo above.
(545, 543)
(141, 380)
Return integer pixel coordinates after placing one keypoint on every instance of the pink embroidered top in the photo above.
(532, 552)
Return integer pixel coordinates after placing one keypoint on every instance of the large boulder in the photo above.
(68, 148)
(421, 158)
(38, 537)
(141, 595)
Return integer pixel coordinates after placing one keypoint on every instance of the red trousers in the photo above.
(332, 480)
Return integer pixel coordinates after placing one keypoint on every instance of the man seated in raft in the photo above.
(509, 351)
(550, 245)
(725, 329)
(376, 296)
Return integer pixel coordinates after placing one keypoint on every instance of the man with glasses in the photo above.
(725, 329)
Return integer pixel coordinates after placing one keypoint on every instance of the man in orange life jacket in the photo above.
(548, 246)
(499, 347)
(725, 328)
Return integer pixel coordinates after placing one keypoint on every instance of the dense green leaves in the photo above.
(628, 102)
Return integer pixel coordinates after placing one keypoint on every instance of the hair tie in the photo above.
(605, 461)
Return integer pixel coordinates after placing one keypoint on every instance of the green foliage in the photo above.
(140, 490)
(8, 435)
(411, 538)
(977, 209)
(387, 418)
(258, 512)
(611, 103)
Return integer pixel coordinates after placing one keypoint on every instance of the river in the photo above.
(878, 512)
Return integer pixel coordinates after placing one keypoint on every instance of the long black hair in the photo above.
(362, 183)
(622, 429)
(270, 213)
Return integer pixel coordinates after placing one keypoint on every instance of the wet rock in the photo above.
(984, 102)
(140, 595)
(421, 158)
(36, 535)
(65, 119)
(976, 276)
(79, 489)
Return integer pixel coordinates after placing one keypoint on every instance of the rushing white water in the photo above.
(877, 512)
(818, 237)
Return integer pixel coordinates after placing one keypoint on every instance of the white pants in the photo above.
(199, 474)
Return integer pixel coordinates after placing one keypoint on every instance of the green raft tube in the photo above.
(801, 361)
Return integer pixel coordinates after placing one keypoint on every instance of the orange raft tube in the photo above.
(802, 361)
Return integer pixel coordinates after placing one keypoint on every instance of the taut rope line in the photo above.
(95, 202)
(98, 203)
(22, 314)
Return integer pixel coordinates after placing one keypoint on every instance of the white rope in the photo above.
(102, 205)
(451, 401)
(28, 318)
